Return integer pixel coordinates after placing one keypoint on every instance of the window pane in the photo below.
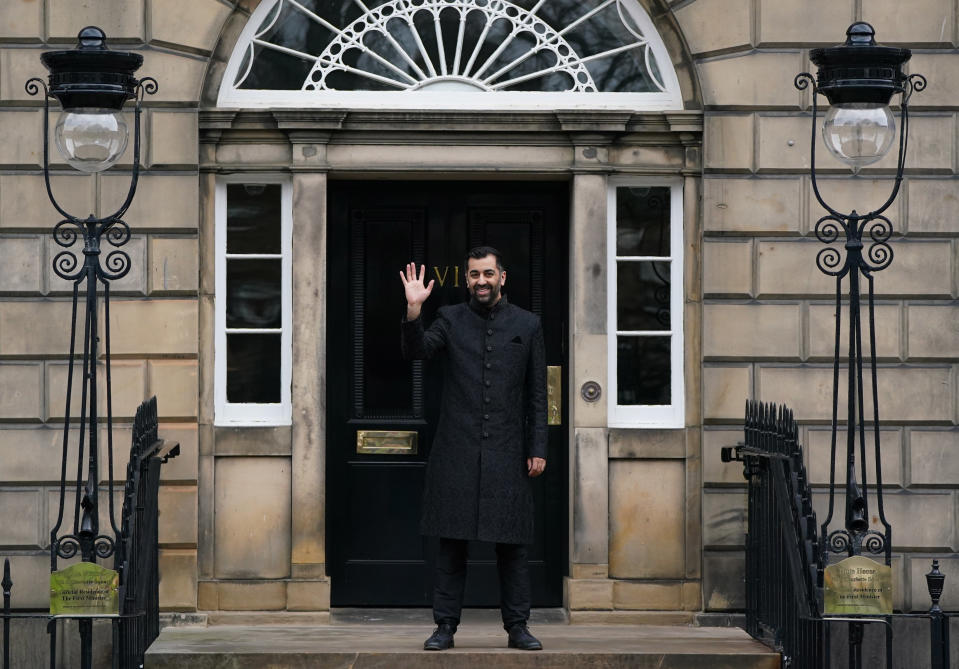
(253, 368)
(642, 295)
(275, 69)
(287, 26)
(254, 293)
(292, 29)
(643, 374)
(537, 63)
(253, 218)
(642, 221)
(606, 30)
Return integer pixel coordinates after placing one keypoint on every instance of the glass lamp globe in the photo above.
(91, 140)
(859, 134)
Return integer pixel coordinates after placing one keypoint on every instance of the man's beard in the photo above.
(488, 298)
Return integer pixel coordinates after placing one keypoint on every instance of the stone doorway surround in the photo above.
(635, 516)
(617, 568)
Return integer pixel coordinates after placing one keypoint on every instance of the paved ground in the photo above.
(371, 640)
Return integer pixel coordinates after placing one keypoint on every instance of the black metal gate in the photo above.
(135, 555)
(784, 564)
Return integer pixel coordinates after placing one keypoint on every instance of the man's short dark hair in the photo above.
(478, 252)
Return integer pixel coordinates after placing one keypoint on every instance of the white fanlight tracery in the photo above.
(475, 54)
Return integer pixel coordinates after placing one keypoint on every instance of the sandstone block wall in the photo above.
(764, 323)
(768, 311)
(154, 315)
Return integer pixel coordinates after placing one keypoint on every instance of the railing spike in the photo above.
(768, 424)
(783, 434)
(6, 583)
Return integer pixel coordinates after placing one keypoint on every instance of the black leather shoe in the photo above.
(519, 637)
(441, 639)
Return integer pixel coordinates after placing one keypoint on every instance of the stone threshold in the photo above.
(423, 617)
(480, 644)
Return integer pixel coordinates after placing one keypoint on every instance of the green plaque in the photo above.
(858, 585)
(84, 589)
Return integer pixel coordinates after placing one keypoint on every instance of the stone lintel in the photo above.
(311, 120)
(591, 121)
(309, 136)
(459, 121)
(607, 123)
(211, 119)
(685, 121)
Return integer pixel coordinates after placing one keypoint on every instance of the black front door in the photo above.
(376, 400)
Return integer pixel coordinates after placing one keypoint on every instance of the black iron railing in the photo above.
(781, 544)
(784, 559)
(135, 555)
(136, 559)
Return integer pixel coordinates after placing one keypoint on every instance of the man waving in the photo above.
(491, 438)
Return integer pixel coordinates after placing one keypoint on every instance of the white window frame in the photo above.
(254, 414)
(230, 97)
(670, 415)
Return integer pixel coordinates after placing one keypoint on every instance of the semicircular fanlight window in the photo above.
(576, 46)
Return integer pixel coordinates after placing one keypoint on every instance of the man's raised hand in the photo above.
(416, 292)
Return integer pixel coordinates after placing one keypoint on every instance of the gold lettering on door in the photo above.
(446, 271)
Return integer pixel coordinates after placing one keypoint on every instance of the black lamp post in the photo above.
(92, 83)
(858, 79)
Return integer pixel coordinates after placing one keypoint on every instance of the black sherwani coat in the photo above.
(492, 417)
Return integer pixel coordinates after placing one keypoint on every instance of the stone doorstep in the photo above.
(679, 618)
(268, 618)
(481, 645)
(180, 619)
(423, 617)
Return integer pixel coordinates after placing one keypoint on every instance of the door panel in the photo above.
(376, 556)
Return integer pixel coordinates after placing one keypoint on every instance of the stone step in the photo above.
(482, 645)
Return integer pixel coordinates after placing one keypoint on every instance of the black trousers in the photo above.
(514, 592)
